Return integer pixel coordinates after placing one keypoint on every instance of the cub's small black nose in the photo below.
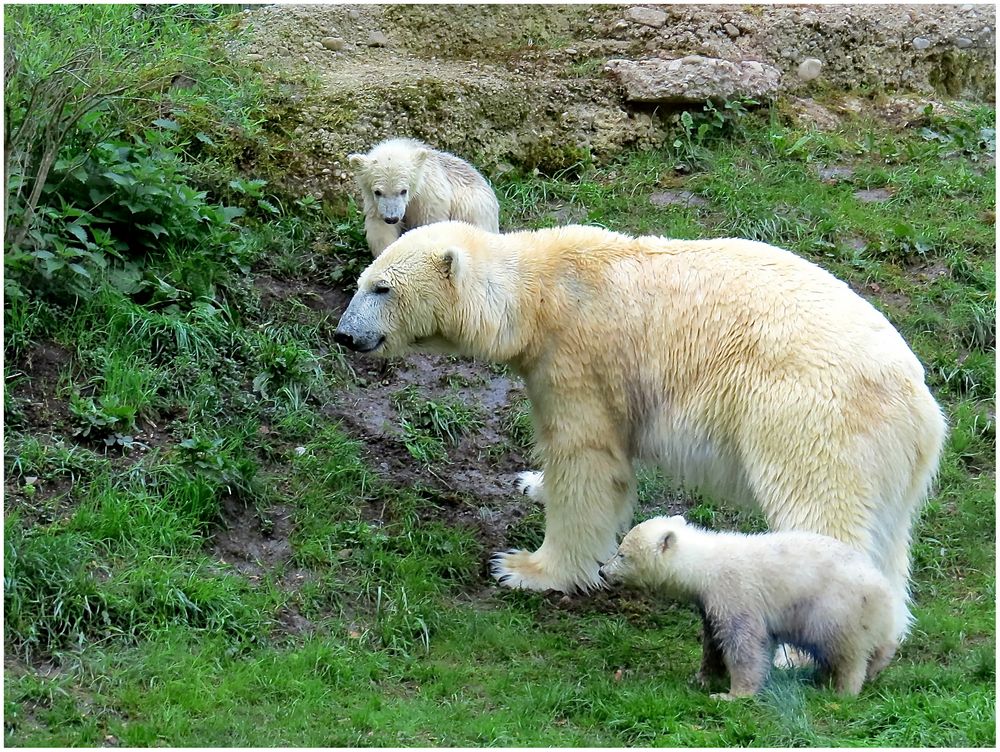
(391, 220)
(343, 338)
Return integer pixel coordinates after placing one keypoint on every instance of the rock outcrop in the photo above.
(694, 79)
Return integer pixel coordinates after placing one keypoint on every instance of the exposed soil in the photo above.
(529, 85)
(256, 544)
(38, 397)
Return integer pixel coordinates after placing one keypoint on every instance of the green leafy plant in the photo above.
(219, 461)
(101, 419)
(91, 202)
(963, 133)
(700, 129)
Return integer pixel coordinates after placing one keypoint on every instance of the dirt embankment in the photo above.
(530, 85)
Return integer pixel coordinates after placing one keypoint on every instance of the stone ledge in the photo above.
(694, 79)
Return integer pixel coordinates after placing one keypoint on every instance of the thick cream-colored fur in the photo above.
(811, 590)
(740, 368)
(406, 184)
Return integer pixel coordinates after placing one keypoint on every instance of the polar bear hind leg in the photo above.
(530, 483)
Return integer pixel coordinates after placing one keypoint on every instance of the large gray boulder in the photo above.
(693, 79)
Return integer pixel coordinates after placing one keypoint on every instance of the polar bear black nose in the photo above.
(345, 339)
(391, 220)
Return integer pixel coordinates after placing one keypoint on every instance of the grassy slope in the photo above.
(125, 625)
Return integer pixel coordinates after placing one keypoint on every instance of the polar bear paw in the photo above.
(529, 483)
(522, 570)
(787, 656)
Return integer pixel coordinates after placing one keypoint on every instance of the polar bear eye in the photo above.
(381, 289)
(402, 192)
(378, 194)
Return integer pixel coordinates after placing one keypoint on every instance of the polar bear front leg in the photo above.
(379, 234)
(587, 493)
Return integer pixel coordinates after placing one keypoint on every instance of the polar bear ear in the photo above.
(420, 157)
(677, 519)
(668, 541)
(452, 261)
(357, 161)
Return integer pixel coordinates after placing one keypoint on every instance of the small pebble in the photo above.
(810, 68)
(377, 39)
(647, 16)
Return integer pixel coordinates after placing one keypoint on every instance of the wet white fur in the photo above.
(421, 185)
(737, 366)
(809, 589)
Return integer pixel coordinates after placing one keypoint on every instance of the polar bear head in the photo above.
(646, 555)
(413, 295)
(390, 175)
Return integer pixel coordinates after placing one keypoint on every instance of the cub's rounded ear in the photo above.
(668, 541)
(677, 519)
(420, 157)
(357, 161)
(452, 260)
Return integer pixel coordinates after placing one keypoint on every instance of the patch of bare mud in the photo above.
(257, 544)
(475, 486)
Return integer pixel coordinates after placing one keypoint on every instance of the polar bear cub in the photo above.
(406, 184)
(814, 592)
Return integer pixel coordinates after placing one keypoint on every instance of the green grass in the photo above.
(429, 425)
(359, 612)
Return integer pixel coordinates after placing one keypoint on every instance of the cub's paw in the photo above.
(703, 680)
(723, 696)
(529, 483)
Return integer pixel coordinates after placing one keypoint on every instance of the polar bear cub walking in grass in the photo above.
(406, 184)
(816, 593)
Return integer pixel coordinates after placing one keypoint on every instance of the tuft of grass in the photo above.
(429, 424)
(518, 426)
(50, 459)
(51, 597)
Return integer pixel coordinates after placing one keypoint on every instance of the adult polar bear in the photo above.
(740, 368)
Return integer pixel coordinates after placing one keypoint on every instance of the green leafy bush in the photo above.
(100, 184)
